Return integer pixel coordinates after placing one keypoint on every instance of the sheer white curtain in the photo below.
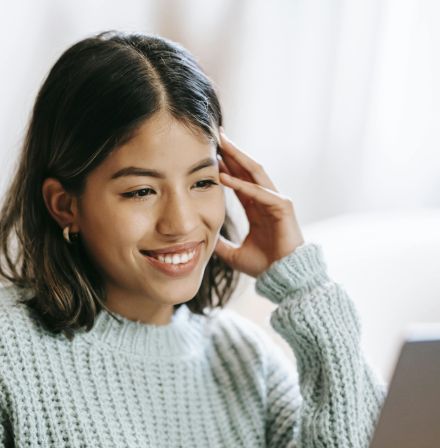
(338, 99)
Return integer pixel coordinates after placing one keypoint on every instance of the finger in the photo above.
(251, 191)
(245, 201)
(236, 168)
(226, 249)
(233, 167)
(243, 160)
(223, 167)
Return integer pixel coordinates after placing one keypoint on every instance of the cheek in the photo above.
(216, 211)
(108, 227)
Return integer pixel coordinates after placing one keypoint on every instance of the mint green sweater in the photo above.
(216, 381)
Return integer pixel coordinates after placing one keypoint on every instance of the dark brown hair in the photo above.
(94, 98)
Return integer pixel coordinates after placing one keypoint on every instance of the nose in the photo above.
(178, 216)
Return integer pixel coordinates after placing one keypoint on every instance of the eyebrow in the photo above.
(137, 171)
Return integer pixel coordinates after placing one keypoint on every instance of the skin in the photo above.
(179, 212)
(179, 208)
(274, 231)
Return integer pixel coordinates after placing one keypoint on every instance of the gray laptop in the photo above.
(410, 416)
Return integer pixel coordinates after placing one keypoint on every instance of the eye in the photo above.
(138, 194)
(207, 183)
(143, 193)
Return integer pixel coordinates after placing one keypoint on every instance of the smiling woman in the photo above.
(167, 116)
(180, 201)
(120, 255)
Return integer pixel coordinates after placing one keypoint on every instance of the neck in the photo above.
(139, 308)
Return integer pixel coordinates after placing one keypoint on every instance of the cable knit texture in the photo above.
(216, 381)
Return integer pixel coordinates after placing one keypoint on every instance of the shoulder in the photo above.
(235, 335)
(227, 322)
(13, 310)
(17, 324)
(11, 306)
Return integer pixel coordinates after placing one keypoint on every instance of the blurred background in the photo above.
(339, 100)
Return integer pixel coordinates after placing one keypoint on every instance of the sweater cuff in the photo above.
(303, 268)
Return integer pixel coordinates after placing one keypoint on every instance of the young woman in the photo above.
(118, 255)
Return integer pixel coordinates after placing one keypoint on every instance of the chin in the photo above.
(174, 296)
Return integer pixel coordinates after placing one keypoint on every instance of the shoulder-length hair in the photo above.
(94, 98)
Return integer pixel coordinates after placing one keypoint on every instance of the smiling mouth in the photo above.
(189, 254)
(155, 254)
(174, 267)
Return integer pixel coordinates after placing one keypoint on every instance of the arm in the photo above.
(5, 431)
(5, 440)
(341, 395)
(6, 434)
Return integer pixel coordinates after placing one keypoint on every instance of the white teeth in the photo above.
(176, 258)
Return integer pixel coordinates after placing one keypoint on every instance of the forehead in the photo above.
(163, 143)
(162, 131)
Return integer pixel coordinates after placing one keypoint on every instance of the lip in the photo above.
(178, 248)
(175, 270)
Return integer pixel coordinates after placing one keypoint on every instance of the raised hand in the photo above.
(273, 228)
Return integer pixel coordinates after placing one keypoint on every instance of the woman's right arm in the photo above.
(6, 439)
(6, 434)
(341, 394)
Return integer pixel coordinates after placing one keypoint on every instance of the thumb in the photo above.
(226, 250)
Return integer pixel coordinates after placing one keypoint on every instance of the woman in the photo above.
(119, 255)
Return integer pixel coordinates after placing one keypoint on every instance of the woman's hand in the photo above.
(273, 229)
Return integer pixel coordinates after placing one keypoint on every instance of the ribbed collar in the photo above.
(181, 337)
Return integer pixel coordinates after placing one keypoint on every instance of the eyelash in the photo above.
(134, 194)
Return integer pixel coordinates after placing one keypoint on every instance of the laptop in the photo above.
(410, 416)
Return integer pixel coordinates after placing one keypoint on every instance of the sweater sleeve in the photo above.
(6, 440)
(341, 396)
(6, 435)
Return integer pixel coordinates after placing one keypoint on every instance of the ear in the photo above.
(62, 206)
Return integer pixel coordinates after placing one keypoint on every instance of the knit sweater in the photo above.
(198, 381)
